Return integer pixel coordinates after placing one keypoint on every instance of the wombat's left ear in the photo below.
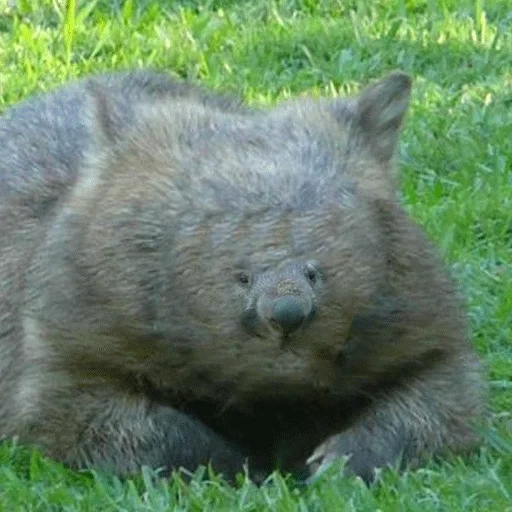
(379, 111)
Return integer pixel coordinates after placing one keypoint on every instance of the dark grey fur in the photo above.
(186, 280)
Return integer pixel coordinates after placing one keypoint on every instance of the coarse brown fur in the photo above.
(186, 281)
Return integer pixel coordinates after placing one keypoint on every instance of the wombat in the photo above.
(187, 280)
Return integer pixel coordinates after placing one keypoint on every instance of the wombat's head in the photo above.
(231, 251)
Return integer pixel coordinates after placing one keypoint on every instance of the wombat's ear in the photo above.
(101, 115)
(379, 110)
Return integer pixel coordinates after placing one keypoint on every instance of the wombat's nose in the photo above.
(287, 311)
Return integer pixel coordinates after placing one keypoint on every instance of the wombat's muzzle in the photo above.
(288, 312)
(280, 309)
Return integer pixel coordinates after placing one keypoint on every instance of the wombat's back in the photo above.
(43, 139)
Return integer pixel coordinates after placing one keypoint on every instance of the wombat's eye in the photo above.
(243, 278)
(311, 272)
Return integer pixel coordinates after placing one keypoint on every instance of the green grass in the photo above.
(456, 161)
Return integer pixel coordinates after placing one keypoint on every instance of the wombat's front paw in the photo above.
(363, 455)
(323, 456)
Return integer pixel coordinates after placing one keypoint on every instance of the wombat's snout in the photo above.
(288, 312)
(281, 301)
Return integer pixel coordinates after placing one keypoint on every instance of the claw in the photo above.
(317, 454)
(322, 458)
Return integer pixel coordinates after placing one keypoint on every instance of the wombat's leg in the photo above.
(120, 434)
(406, 426)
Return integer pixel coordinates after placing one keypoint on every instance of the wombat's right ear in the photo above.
(101, 115)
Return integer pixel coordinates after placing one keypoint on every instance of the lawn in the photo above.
(456, 179)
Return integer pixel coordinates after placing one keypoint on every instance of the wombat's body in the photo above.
(186, 280)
